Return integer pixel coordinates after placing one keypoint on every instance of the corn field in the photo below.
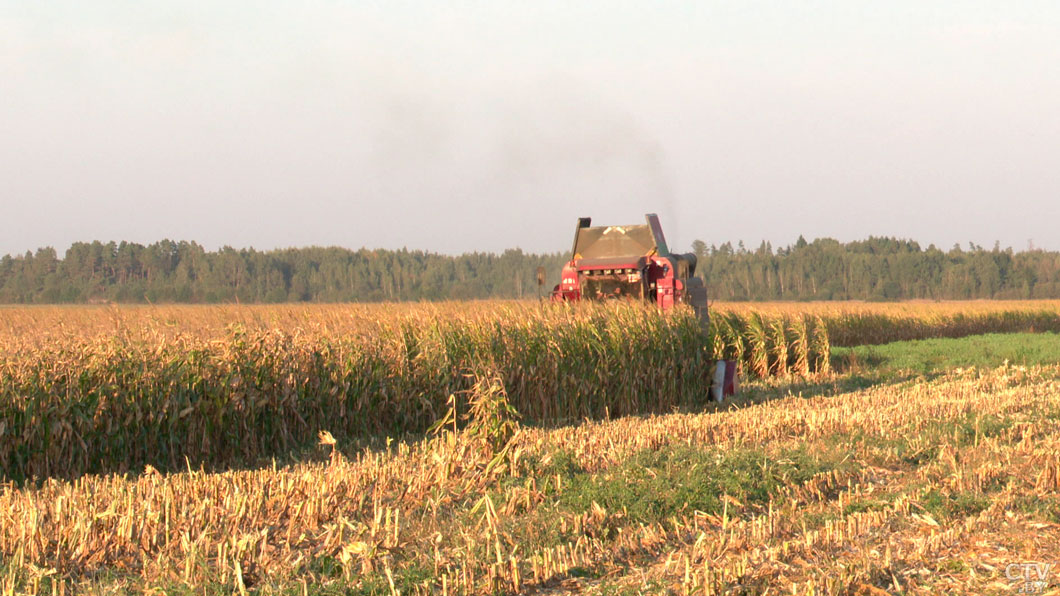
(139, 446)
(847, 323)
(864, 323)
(105, 389)
(94, 403)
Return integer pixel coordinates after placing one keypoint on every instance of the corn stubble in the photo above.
(450, 513)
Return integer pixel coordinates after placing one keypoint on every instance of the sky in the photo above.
(481, 126)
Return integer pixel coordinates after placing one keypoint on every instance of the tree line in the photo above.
(825, 269)
(876, 269)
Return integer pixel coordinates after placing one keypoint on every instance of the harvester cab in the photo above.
(609, 262)
(612, 262)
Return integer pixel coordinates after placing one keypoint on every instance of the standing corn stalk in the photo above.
(779, 352)
(492, 419)
(799, 346)
(733, 330)
(821, 350)
(758, 350)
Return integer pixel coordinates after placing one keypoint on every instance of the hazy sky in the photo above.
(489, 125)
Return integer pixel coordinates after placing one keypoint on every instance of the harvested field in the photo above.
(851, 493)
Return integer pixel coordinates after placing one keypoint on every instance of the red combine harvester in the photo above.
(610, 262)
(630, 262)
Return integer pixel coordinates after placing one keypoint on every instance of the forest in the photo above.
(825, 269)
